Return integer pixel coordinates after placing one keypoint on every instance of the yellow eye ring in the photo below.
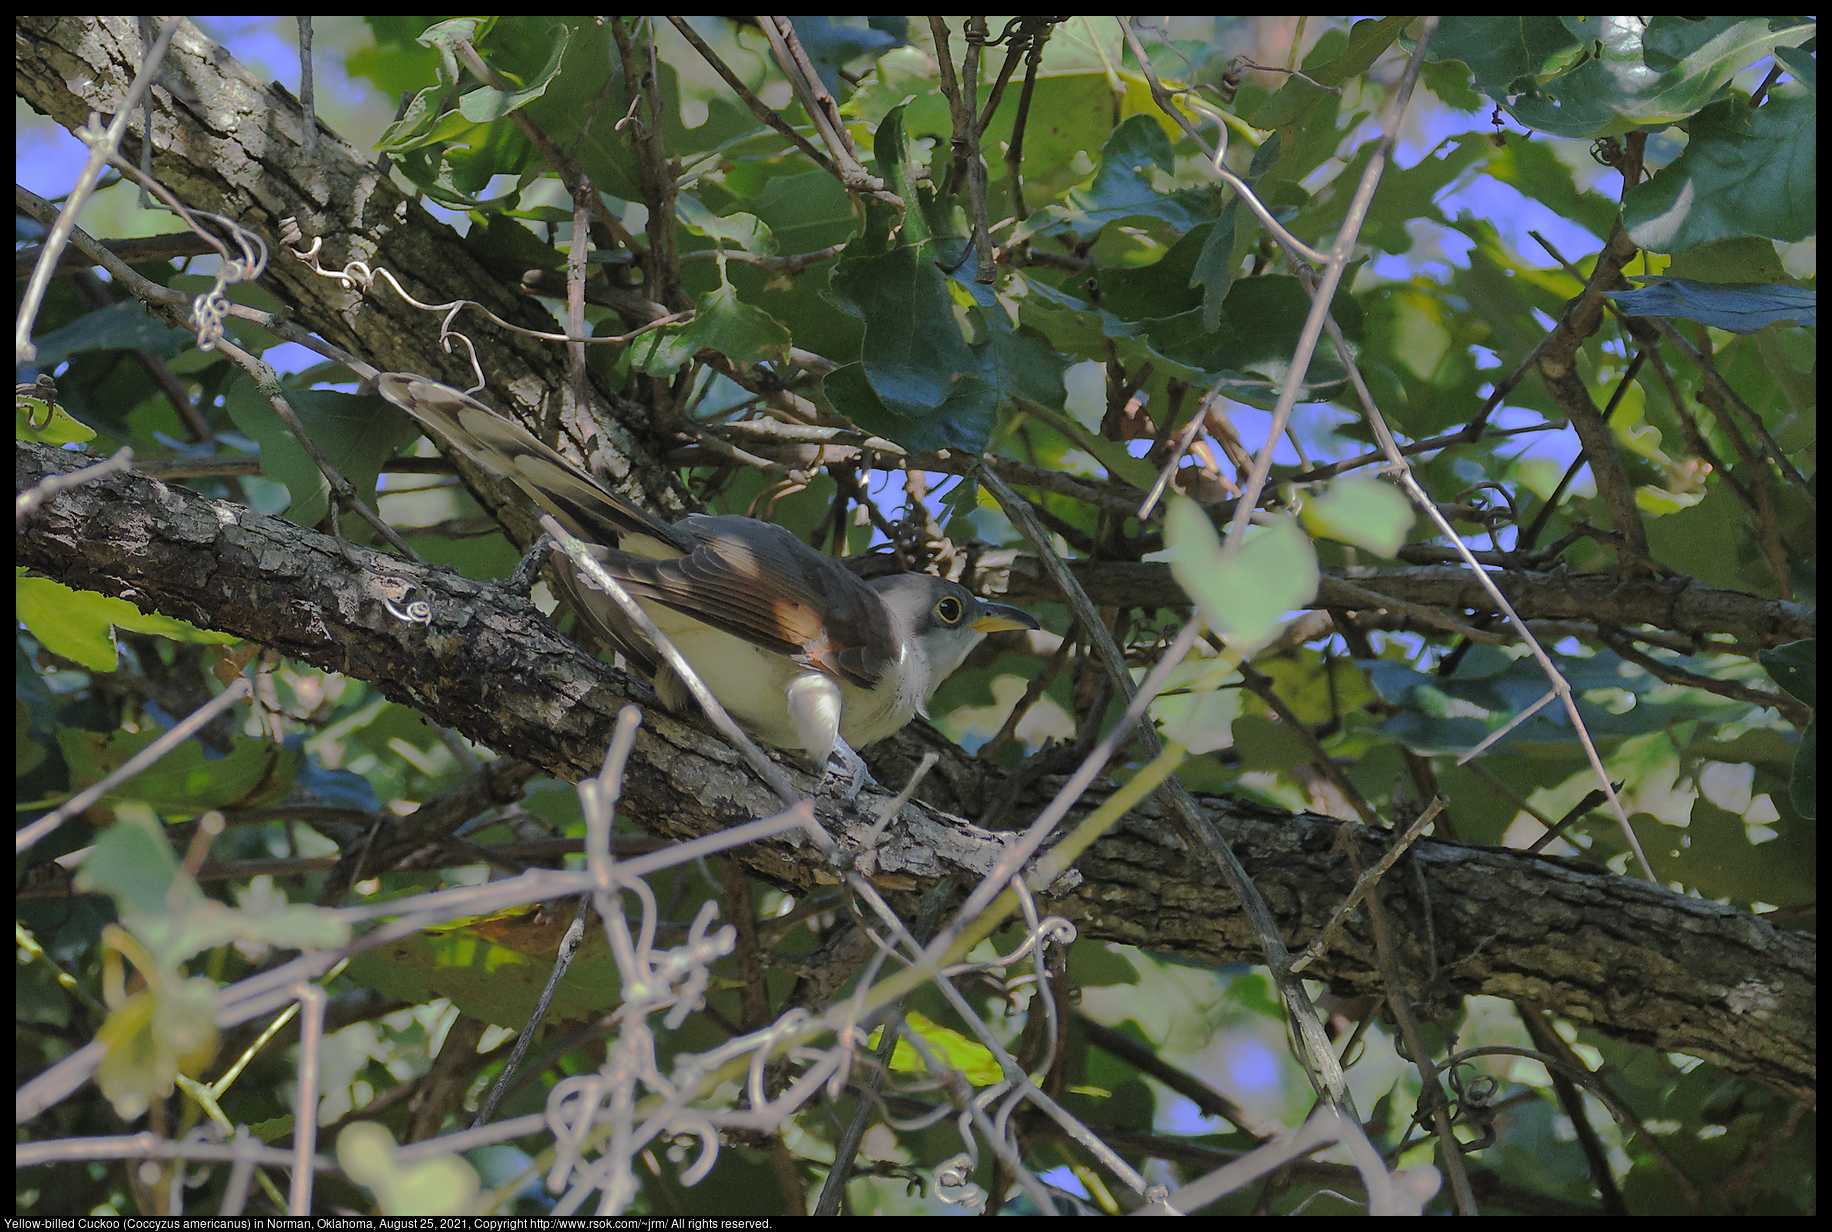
(950, 610)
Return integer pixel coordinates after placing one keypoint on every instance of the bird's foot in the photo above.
(846, 766)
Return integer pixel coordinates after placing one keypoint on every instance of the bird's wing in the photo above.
(757, 581)
(749, 578)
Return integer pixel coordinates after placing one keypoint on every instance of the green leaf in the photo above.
(1215, 265)
(133, 863)
(486, 105)
(188, 780)
(1079, 107)
(1100, 965)
(80, 624)
(1506, 54)
(1268, 315)
(1292, 104)
(1742, 261)
(896, 159)
(738, 331)
(917, 381)
(118, 327)
(397, 62)
(806, 211)
(1200, 722)
(1535, 170)
(914, 354)
(46, 423)
(1364, 512)
(1164, 287)
(1407, 194)
(1110, 454)
(1736, 308)
(422, 122)
(1605, 76)
(1021, 363)
(1260, 323)
(1795, 667)
(493, 968)
(1802, 64)
(1121, 188)
(721, 322)
(1706, 541)
(1803, 779)
(354, 432)
(437, 1185)
(157, 1033)
(966, 1056)
(1743, 172)
(747, 231)
(1245, 598)
(831, 46)
(1366, 41)
(1263, 744)
(1712, 851)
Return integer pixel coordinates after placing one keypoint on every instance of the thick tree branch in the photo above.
(1678, 605)
(225, 142)
(1637, 961)
(228, 143)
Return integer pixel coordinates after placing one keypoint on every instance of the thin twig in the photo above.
(29, 500)
(1320, 1062)
(1261, 684)
(267, 381)
(757, 106)
(168, 740)
(1800, 716)
(1363, 884)
(793, 59)
(102, 146)
(1399, 1002)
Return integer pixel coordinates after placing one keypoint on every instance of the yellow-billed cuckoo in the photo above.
(797, 648)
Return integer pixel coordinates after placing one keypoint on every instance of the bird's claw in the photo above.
(844, 763)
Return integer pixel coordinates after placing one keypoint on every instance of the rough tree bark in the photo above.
(1637, 961)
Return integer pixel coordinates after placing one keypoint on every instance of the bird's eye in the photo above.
(949, 609)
